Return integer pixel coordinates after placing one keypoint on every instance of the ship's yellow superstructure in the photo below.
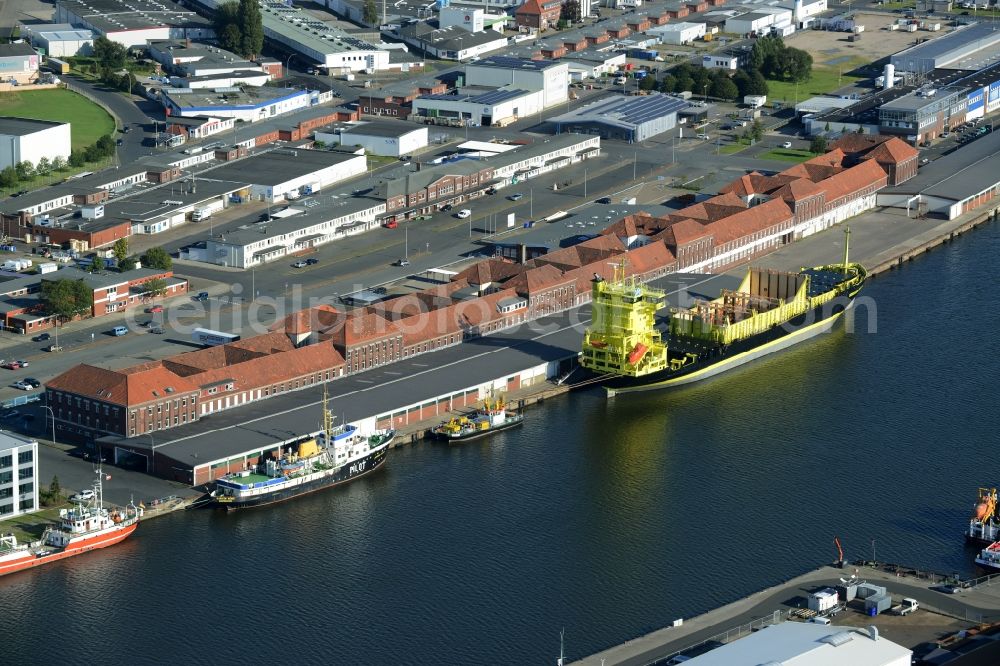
(622, 338)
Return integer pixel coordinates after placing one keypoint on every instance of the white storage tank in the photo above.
(889, 74)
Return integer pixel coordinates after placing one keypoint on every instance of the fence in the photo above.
(22, 400)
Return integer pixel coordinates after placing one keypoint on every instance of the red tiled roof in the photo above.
(275, 368)
(537, 279)
(853, 143)
(131, 386)
(453, 319)
(361, 328)
(649, 257)
(865, 174)
(756, 218)
(315, 318)
(894, 151)
(489, 271)
(797, 190)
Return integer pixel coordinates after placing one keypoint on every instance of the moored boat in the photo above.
(771, 310)
(86, 526)
(989, 557)
(492, 417)
(329, 458)
(983, 527)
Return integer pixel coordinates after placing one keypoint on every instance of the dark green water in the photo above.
(607, 518)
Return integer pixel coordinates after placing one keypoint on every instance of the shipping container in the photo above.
(204, 336)
(57, 66)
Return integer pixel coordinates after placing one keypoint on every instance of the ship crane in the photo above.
(840, 553)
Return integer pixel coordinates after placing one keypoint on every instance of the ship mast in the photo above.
(562, 657)
(847, 246)
(327, 420)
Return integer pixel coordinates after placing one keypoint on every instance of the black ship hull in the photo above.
(479, 434)
(346, 473)
(716, 359)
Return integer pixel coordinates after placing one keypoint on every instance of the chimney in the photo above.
(522, 253)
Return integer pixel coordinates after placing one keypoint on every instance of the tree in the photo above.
(154, 287)
(370, 13)
(120, 250)
(106, 146)
(668, 84)
(647, 83)
(97, 265)
(77, 158)
(157, 257)
(59, 163)
(724, 88)
(571, 11)
(861, 129)
(128, 263)
(8, 177)
(66, 298)
(743, 82)
(684, 83)
(251, 29)
(758, 83)
(798, 64)
(44, 167)
(109, 54)
(25, 170)
(818, 145)
(227, 26)
(757, 130)
(53, 495)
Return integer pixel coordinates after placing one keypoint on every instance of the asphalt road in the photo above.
(131, 111)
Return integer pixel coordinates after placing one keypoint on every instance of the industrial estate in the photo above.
(229, 226)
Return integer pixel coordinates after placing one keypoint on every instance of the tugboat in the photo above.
(770, 311)
(85, 527)
(334, 456)
(492, 417)
(983, 528)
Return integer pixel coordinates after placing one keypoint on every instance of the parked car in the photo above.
(23, 385)
(202, 296)
(447, 207)
(402, 262)
(15, 365)
(703, 136)
(82, 496)
(157, 330)
(786, 144)
(517, 196)
(925, 160)
(41, 338)
(154, 309)
(32, 381)
(299, 264)
(391, 224)
(604, 200)
(312, 262)
(464, 213)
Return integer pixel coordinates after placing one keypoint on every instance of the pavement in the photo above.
(981, 603)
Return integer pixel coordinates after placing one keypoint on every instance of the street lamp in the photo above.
(53, 415)
(704, 93)
(288, 62)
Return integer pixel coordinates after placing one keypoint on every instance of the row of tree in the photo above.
(25, 171)
(715, 83)
(240, 28)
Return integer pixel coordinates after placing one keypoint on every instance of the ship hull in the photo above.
(796, 330)
(344, 474)
(84, 545)
(479, 434)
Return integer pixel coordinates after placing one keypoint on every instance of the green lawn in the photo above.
(88, 121)
(823, 80)
(733, 148)
(787, 155)
(31, 526)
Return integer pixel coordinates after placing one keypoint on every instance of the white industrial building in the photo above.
(18, 475)
(551, 78)
(591, 64)
(804, 12)
(807, 644)
(678, 33)
(291, 231)
(61, 40)
(391, 139)
(451, 42)
(249, 105)
(759, 21)
(29, 140)
(481, 106)
(134, 22)
(18, 62)
(287, 174)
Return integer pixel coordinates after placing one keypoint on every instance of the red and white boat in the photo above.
(83, 528)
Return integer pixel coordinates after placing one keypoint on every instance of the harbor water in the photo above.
(608, 518)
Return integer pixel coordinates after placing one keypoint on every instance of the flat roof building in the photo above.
(287, 173)
(629, 119)
(135, 22)
(29, 140)
(249, 104)
(392, 139)
(451, 42)
(946, 49)
(18, 475)
(18, 62)
(64, 42)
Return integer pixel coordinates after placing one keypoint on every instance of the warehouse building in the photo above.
(953, 184)
(18, 62)
(134, 22)
(678, 33)
(248, 105)
(287, 174)
(946, 49)
(759, 21)
(62, 40)
(391, 139)
(480, 106)
(552, 78)
(922, 115)
(292, 230)
(629, 119)
(28, 140)
(451, 42)
(806, 644)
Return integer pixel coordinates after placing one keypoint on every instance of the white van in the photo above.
(119, 331)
